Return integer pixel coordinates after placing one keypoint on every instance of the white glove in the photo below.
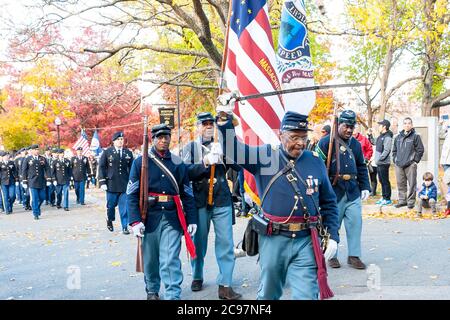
(55, 183)
(365, 195)
(331, 249)
(48, 183)
(24, 185)
(138, 229)
(104, 187)
(17, 184)
(210, 159)
(192, 229)
(216, 148)
(227, 99)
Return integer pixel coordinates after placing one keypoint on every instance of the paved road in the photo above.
(41, 259)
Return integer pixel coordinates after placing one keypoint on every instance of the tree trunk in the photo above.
(429, 61)
(369, 108)
(384, 81)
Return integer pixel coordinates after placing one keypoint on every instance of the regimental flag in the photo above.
(95, 144)
(294, 63)
(250, 69)
(82, 142)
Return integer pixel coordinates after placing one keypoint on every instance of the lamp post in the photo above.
(58, 123)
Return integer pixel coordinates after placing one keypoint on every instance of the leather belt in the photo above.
(293, 227)
(347, 177)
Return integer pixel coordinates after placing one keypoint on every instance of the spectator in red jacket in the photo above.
(366, 146)
(367, 149)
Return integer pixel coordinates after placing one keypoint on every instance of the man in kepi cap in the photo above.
(36, 174)
(169, 193)
(80, 169)
(293, 184)
(383, 148)
(199, 155)
(350, 183)
(114, 170)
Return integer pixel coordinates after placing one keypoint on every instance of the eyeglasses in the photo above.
(297, 138)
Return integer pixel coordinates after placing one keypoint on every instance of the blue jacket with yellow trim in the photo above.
(265, 161)
(352, 165)
(158, 182)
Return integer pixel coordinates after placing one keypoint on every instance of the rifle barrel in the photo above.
(293, 90)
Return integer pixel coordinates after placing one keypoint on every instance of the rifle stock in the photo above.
(143, 195)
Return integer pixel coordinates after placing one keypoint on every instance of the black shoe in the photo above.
(52, 204)
(109, 225)
(152, 296)
(197, 285)
(46, 203)
(66, 209)
(356, 263)
(399, 205)
(125, 231)
(227, 293)
(83, 204)
(410, 206)
(334, 263)
(58, 207)
(36, 217)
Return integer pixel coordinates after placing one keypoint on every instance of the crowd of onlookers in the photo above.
(404, 151)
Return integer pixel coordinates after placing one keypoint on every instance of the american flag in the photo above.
(82, 142)
(250, 69)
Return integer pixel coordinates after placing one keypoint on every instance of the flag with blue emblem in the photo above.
(294, 63)
(95, 144)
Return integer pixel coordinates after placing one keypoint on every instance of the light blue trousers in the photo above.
(161, 253)
(287, 260)
(222, 219)
(351, 213)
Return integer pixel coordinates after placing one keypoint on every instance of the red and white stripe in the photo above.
(83, 143)
(259, 118)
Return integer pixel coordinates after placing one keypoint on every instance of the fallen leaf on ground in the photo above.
(116, 263)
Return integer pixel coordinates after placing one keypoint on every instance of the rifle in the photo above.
(333, 141)
(143, 195)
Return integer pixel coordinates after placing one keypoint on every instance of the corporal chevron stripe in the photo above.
(250, 70)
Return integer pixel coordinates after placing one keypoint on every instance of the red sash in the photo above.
(187, 237)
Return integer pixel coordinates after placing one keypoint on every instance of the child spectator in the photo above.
(427, 195)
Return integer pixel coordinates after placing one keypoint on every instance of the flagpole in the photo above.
(221, 87)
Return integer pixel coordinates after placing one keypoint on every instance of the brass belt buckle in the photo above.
(295, 226)
(346, 177)
(163, 198)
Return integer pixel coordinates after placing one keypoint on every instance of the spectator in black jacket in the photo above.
(406, 153)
